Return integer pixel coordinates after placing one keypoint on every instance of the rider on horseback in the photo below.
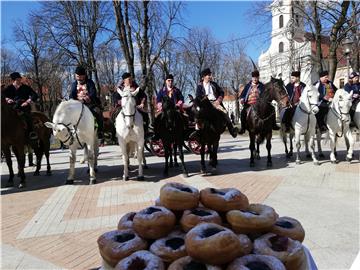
(353, 85)
(327, 91)
(22, 95)
(210, 89)
(294, 89)
(83, 89)
(249, 96)
(128, 83)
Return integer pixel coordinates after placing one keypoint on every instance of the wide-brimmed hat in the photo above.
(295, 73)
(205, 72)
(323, 73)
(126, 75)
(80, 70)
(15, 75)
(169, 77)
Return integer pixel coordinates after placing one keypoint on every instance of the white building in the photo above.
(292, 48)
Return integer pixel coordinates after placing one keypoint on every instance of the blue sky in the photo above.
(226, 19)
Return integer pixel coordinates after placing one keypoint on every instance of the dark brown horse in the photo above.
(260, 117)
(13, 135)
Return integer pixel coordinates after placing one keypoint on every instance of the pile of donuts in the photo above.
(208, 229)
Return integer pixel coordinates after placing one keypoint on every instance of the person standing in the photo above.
(353, 85)
(294, 89)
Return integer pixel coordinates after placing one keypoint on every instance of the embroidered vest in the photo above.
(81, 90)
(329, 91)
(253, 95)
(297, 94)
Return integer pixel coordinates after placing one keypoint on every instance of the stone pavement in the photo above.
(51, 226)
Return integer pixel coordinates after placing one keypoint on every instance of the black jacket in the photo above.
(23, 93)
(200, 90)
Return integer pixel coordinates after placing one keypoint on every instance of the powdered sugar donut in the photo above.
(290, 227)
(189, 263)
(212, 244)
(141, 260)
(126, 221)
(251, 261)
(154, 222)
(256, 218)
(170, 248)
(193, 217)
(116, 245)
(176, 196)
(224, 199)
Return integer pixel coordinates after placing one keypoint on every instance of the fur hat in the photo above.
(15, 75)
(205, 72)
(353, 75)
(255, 73)
(323, 73)
(169, 77)
(295, 73)
(126, 75)
(80, 70)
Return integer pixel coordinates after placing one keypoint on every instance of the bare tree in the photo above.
(8, 63)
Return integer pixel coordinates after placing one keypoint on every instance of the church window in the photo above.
(281, 47)
(281, 21)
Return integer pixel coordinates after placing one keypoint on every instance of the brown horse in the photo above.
(43, 146)
(260, 117)
(13, 135)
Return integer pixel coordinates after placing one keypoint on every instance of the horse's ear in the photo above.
(134, 93)
(49, 125)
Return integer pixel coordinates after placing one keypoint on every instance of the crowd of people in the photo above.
(83, 89)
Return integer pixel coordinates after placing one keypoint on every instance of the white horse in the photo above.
(356, 120)
(304, 121)
(130, 131)
(338, 122)
(73, 124)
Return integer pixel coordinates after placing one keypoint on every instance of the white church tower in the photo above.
(289, 50)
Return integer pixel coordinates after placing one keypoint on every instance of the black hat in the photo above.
(80, 70)
(169, 77)
(323, 73)
(15, 75)
(255, 73)
(353, 75)
(126, 75)
(205, 72)
(295, 73)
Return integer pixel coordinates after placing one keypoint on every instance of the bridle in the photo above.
(73, 133)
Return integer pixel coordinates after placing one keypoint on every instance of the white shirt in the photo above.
(209, 91)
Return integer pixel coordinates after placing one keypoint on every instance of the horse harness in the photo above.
(73, 133)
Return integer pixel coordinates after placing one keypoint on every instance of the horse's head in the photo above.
(202, 110)
(169, 111)
(62, 132)
(309, 98)
(342, 102)
(128, 105)
(278, 92)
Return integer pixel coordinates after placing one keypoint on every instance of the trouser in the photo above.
(97, 113)
(225, 115)
(320, 116)
(146, 120)
(353, 107)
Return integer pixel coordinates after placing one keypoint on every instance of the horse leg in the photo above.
(140, 152)
(268, 147)
(47, 156)
(30, 157)
(257, 154)
(7, 154)
(171, 156)
(252, 148)
(202, 162)
(350, 145)
(72, 156)
(291, 137)
(167, 154)
(332, 147)
(318, 140)
(298, 145)
(91, 162)
(176, 164)
(145, 166)
(20, 155)
(181, 155)
(213, 161)
(39, 154)
(312, 147)
(284, 139)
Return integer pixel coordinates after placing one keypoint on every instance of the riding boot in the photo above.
(232, 130)
(243, 121)
(320, 119)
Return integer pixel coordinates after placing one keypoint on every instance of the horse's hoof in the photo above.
(334, 161)
(36, 173)
(298, 162)
(348, 159)
(316, 163)
(185, 175)
(48, 173)
(140, 178)
(92, 181)
(321, 155)
(69, 182)
(126, 178)
(22, 185)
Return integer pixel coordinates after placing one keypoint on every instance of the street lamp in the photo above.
(347, 48)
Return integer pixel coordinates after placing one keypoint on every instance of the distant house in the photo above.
(297, 51)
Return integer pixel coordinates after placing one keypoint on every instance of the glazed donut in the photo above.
(290, 227)
(246, 244)
(176, 196)
(212, 244)
(141, 260)
(154, 222)
(193, 217)
(170, 248)
(188, 263)
(116, 245)
(289, 251)
(224, 199)
(251, 262)
(126, 221)
(256, 218)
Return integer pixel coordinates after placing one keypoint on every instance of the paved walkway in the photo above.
(51, 226)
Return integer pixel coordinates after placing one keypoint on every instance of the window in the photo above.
(281, 47)
(341, 83)
(281, 21)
